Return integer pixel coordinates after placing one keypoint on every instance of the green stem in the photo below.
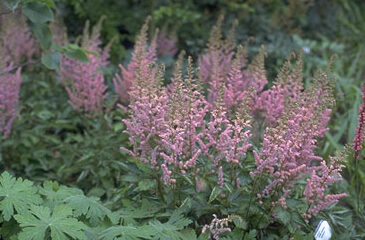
(159, 188)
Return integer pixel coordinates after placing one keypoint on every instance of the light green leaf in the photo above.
(16, 194)
(39, 219)
(127, 232)
(90, 207)
(51, 60)
(75, 52)
(55, 193)
(214, 194)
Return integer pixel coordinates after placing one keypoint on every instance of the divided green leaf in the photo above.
(60, 222)
(16, 194)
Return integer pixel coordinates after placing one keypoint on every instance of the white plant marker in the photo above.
(323, 231)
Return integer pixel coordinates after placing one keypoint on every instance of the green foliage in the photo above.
(38, 220)
(59, 212)
(89, 207)
(16, 194)
(51, 60)
(37, 12)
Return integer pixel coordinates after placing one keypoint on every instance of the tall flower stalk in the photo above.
(142, 55)
(84, 82)
(9, 95)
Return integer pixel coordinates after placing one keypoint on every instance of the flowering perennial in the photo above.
(166, 43)
(218, 226)
(315, 189)
(169, 129)
(181, 133)
(360, 130)
(17, 41)
(9, 96)
(84, 82)
(141, 55)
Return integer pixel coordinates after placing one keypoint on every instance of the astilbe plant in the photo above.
(189, 139)
(287, 153)
(9, 95)
(17, 41)
(84, 82)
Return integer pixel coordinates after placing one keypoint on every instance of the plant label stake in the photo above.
(323, 231)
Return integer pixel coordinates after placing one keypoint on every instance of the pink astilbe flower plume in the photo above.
(148, 107)
(216, 62)
(166, 43)
(286, 89)
(218, 226)
(187, 109)
(228, 139)
(288, 148)
(84, 82)
(141, 55)
(9, 95)
(316, 186)
(16, 39)
(360, 130)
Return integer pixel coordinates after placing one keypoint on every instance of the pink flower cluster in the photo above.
(169, 129)
(217, 227)
(178, 131)
(9, 95)
(140, 56)
(287, 154)
(314, 192)
(166, 43)
(17, 41)
(216, 62)
(360, 130)
(84, 82)
(221, 66)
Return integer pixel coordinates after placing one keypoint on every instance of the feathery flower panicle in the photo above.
(227, 139)
(9, 96)
(219, 226)
(141, 55)
(169, 129)
(360, 130)
(286, 89)
(84, 82)
(216, 62)
(288, 148)
(187, 109)
(236, 84)
(166, 43)
(148, 107)
(17, 41)
(315, 191)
